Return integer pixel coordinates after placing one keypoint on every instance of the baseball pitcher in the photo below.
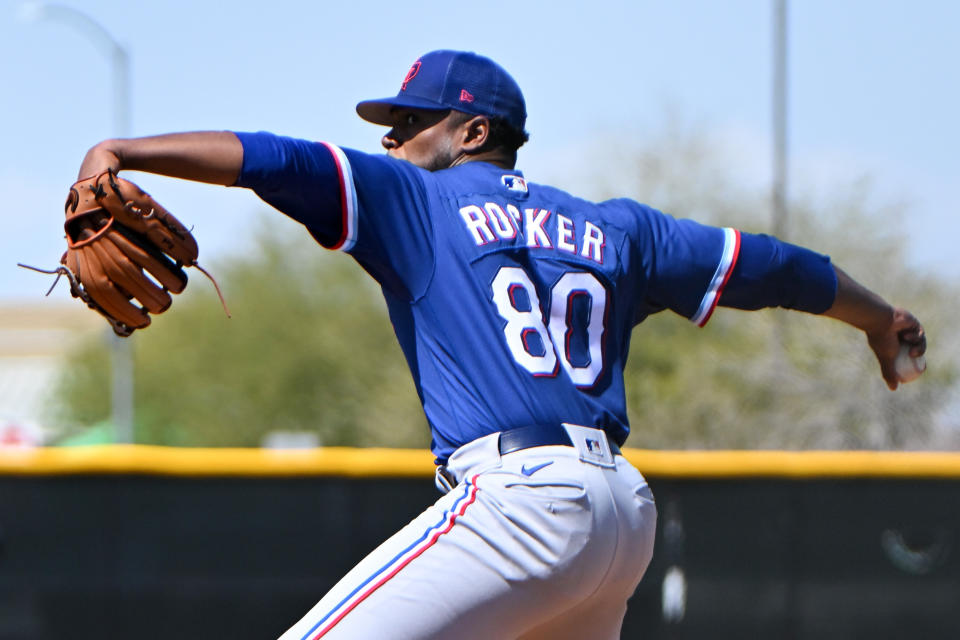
(513, 303)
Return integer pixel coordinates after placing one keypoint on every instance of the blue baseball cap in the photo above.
(460, 80)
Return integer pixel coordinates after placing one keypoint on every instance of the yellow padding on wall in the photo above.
(151, 460)
(795, 464)
(374, 463)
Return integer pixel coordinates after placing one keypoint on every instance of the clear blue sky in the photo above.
(874, 89)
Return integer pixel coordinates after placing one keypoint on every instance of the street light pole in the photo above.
(779, 227)
(100, 37)
(121, 349)
(780, 119)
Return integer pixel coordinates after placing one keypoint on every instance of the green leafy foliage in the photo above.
(777, 378)
(309, 349)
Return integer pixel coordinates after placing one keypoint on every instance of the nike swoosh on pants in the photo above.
(532, 470)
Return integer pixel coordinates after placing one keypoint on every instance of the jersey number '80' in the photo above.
(524, 320)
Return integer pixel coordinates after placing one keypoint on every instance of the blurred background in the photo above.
(674, 104)
(831, 124)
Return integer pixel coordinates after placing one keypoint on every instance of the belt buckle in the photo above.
(592, 445)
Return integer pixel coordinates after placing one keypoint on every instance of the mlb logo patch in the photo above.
(591, 444)
(514, 183)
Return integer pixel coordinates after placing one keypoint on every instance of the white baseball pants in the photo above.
(546, 542)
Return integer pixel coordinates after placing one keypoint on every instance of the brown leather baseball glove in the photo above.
(125, 253)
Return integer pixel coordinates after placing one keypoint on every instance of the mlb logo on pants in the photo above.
(591, 444)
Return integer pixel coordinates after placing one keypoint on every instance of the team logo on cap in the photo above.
(465, 96)
(414, 70)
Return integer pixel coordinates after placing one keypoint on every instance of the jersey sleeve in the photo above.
(298, 178)
(686, 264)
(692, 268)
(372, 207)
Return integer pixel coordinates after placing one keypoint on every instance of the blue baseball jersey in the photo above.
(514, 302)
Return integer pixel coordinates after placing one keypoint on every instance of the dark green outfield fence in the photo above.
(141, 542)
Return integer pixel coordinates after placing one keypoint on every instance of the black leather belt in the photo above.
(540, 435)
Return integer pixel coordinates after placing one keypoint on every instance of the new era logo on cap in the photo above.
(458, 80)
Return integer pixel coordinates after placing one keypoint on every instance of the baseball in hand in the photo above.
(907, 367)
